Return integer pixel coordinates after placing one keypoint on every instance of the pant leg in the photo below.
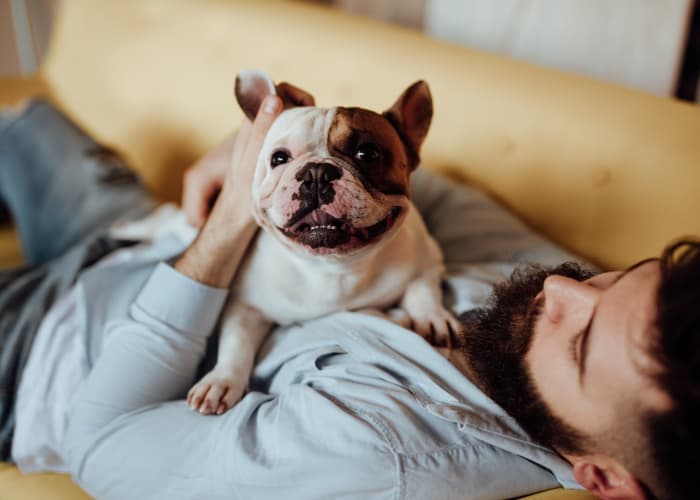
(64, 190)
(26, 295)
(60, 185)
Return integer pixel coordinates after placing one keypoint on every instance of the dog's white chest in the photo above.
(287, 288)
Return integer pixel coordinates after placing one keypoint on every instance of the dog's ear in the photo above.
(253, 86)
(411, 115)
(294, 96)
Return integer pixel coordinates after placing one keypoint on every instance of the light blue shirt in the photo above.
(344, 406)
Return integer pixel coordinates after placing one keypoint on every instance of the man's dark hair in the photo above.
(673, 434)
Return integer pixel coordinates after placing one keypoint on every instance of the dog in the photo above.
(339, 232)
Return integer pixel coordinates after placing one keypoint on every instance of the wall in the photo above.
(25, 28)
(639, 43)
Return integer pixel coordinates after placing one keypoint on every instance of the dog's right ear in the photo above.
(253, 86)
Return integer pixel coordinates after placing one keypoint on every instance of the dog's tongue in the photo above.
(316, 218)
(320, 218)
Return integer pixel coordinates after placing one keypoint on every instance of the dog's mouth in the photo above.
(321, 232)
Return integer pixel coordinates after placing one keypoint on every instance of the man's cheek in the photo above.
(547, 364)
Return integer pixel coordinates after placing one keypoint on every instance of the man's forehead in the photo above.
(635, 297)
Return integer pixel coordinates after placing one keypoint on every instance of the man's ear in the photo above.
(606, 478)
(411, 115)
(253, 86)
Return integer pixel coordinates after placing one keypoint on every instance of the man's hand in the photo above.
(204, 179)
(215, 255)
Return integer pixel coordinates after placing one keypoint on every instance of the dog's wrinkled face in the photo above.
(331, 180)
(335, 182)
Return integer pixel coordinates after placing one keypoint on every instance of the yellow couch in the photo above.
(606, 171)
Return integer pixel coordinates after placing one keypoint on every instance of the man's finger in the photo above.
(240, 141)
(190, 197)
(269, 109)
(198, 194)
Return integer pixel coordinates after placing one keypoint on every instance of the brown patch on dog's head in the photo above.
(373, 146)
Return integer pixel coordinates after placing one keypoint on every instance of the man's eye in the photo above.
(279, 157)
(368, 153)
(574, 346)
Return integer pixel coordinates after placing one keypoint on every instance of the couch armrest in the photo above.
(18, 88)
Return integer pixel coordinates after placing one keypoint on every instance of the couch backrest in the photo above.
(609, 172)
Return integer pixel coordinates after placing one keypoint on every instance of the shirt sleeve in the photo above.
(130, 437)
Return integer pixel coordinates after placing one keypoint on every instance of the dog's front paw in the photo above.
(436, 325)
(216, 392)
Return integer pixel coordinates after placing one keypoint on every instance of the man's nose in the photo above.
(569, 300)
(316, 179)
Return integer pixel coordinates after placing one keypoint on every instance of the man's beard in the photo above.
(496, 339)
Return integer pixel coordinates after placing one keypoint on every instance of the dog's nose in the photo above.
(319, 173)
(316, 187)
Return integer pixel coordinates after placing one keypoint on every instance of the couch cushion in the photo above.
(15, 486)
(10, 250)
(610, 172)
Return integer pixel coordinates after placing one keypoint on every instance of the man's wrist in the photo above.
(214, 256)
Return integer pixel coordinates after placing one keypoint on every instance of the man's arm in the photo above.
(151, 356)
(215, 255)
(131, 434)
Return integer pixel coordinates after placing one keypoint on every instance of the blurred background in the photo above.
(651, 45)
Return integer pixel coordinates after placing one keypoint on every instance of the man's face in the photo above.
(564, 351)
(589, 355)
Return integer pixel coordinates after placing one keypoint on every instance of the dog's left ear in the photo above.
(253, 86)
(294, 96)
(411, 115)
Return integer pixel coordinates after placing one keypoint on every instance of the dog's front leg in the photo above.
(243, 330)
(424, 312)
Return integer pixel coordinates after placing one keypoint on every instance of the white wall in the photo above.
(638, 43)
(634, 42)
(25, 27)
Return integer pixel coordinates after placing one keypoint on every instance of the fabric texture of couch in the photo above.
(606, 171)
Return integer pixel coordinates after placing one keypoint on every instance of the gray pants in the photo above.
(63, 191)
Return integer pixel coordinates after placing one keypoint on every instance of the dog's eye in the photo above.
(279, 157)
(368, 153)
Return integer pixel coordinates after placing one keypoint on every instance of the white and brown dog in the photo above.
(331, 193)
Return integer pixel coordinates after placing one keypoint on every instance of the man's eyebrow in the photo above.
(585, 338)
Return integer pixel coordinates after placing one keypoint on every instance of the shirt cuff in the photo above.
(180, 301)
